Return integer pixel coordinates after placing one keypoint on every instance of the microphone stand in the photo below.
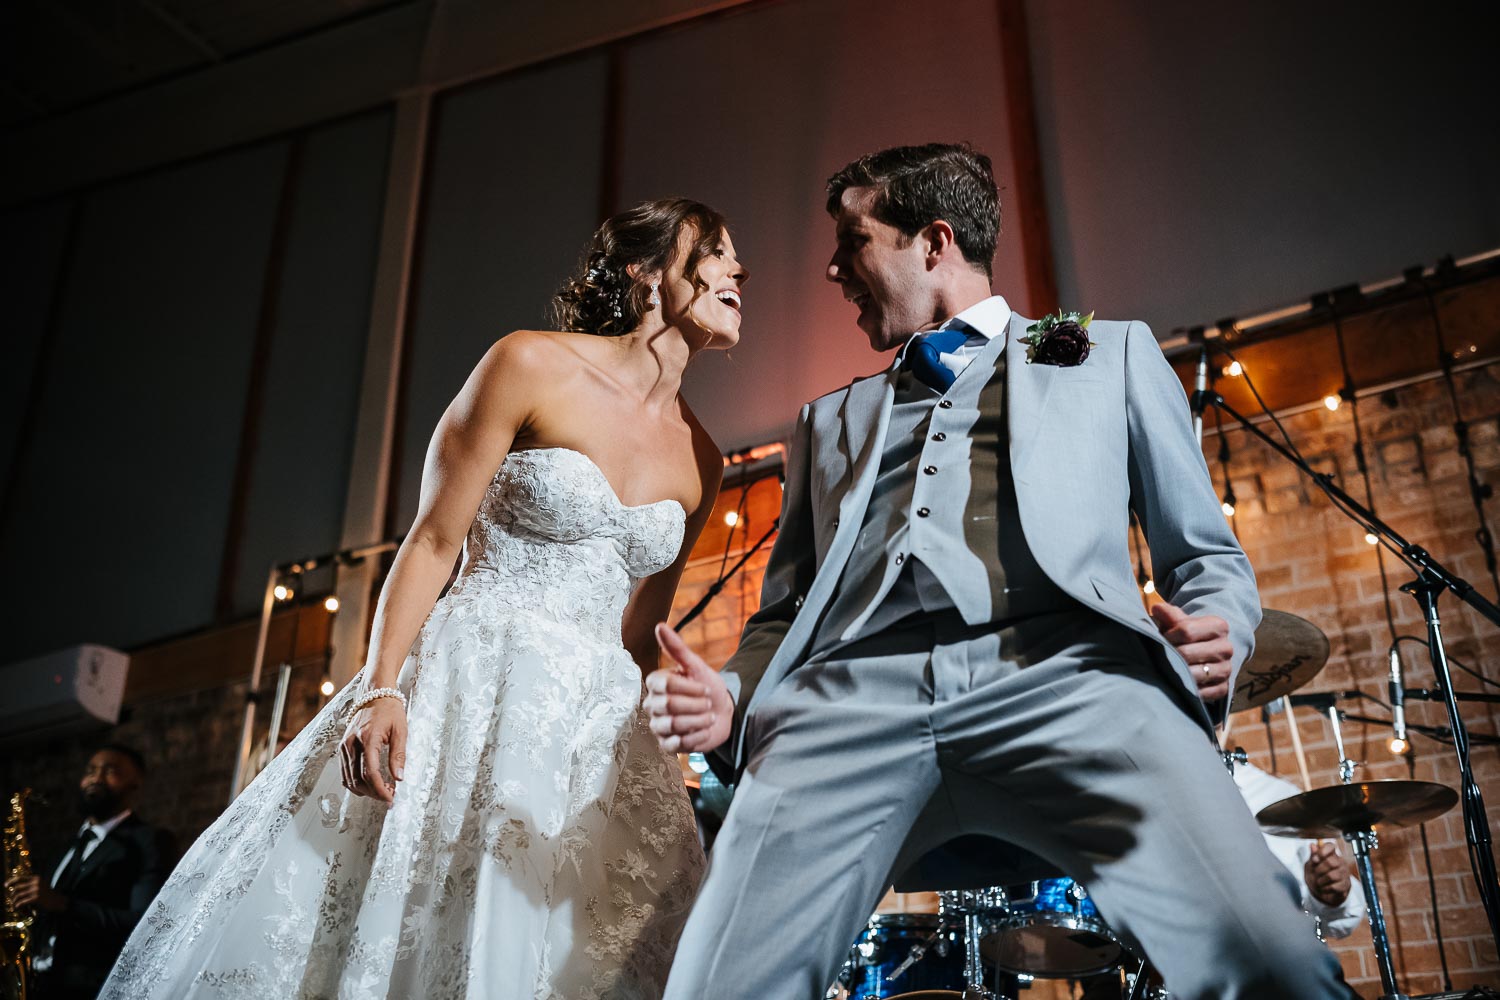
(1432, 578)
(718, 585)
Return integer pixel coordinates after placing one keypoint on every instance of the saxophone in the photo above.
(15, 929)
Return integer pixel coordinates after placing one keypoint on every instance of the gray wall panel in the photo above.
(751, 112)
(121, 523)
(1207, 160)
(31, 251)
(513, 197)
(301, 471)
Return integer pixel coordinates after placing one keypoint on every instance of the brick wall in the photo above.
(1313, 562)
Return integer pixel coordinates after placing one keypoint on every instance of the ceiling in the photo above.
(57, 56)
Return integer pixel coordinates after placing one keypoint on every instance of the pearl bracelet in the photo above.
(375, 695)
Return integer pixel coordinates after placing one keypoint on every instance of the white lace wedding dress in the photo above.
(542, 844)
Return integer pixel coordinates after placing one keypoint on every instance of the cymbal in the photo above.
(1289, 652)
(1339, 809)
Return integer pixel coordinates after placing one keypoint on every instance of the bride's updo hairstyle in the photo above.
(602, 297)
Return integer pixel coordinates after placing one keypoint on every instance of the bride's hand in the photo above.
(380, 724)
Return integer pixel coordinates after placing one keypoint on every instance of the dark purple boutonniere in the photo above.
(1061, 339)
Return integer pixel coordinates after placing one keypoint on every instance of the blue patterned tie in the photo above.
(922, 357)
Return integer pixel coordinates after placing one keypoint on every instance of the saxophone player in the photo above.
(88, 901)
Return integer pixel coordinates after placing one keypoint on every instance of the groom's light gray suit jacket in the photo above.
(1087, 444)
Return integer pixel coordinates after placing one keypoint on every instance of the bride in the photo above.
(484, 811)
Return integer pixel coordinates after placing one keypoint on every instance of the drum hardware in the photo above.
(1144, 983)
(1239, 755)
(1352, 810)
(973, 905)
(916, 954)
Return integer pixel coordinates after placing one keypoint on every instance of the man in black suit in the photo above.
(90, 901)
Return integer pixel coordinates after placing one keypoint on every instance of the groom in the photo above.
(951, 642)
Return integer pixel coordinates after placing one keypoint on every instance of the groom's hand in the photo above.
(1203, 640)
(689, 703)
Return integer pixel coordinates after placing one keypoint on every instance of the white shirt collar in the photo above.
(989, 318)
(102, 830)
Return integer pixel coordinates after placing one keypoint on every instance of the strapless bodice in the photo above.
(552, 539)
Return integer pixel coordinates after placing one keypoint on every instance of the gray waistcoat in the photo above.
(941, 532)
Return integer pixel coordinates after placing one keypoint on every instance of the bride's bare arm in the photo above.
(652, 600)
(470, 442)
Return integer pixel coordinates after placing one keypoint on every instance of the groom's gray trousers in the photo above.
(1054, 733)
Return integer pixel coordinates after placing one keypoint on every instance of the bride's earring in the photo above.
(655, 298)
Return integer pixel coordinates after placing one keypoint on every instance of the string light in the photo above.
(1228, 504)
(331, 603)
(1234, 369)
(327, 687)
(282, 592)
(732, 518)
(1149, 587)
(1332, 401)
(1371, 538)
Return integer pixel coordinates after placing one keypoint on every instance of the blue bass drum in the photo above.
(1050, 929)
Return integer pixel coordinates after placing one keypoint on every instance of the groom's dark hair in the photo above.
(917, 185)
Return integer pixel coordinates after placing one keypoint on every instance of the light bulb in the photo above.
(732, 518)
(331, 603)
(282, 592)
(327, 687)
(1228, 508)
(1150, 587)
(1234, 369)
(1372, 538)
(1332, 401)
(1398, 747)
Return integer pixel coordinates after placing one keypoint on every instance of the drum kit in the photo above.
(1010, 936)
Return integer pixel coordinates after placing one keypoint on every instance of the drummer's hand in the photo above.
(1327, 874)
(689, 703)
(379, 724)
(1203, 640)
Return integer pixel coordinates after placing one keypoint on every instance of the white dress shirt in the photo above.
(1260, 790)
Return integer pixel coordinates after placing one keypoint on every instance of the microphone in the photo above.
(1200, 392)
(1398, 704)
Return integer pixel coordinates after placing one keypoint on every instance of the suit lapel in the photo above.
(109, 849)
(863, 418)
(1028, 388)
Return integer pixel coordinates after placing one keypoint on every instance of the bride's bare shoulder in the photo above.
(525, 348)
(523, 353)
